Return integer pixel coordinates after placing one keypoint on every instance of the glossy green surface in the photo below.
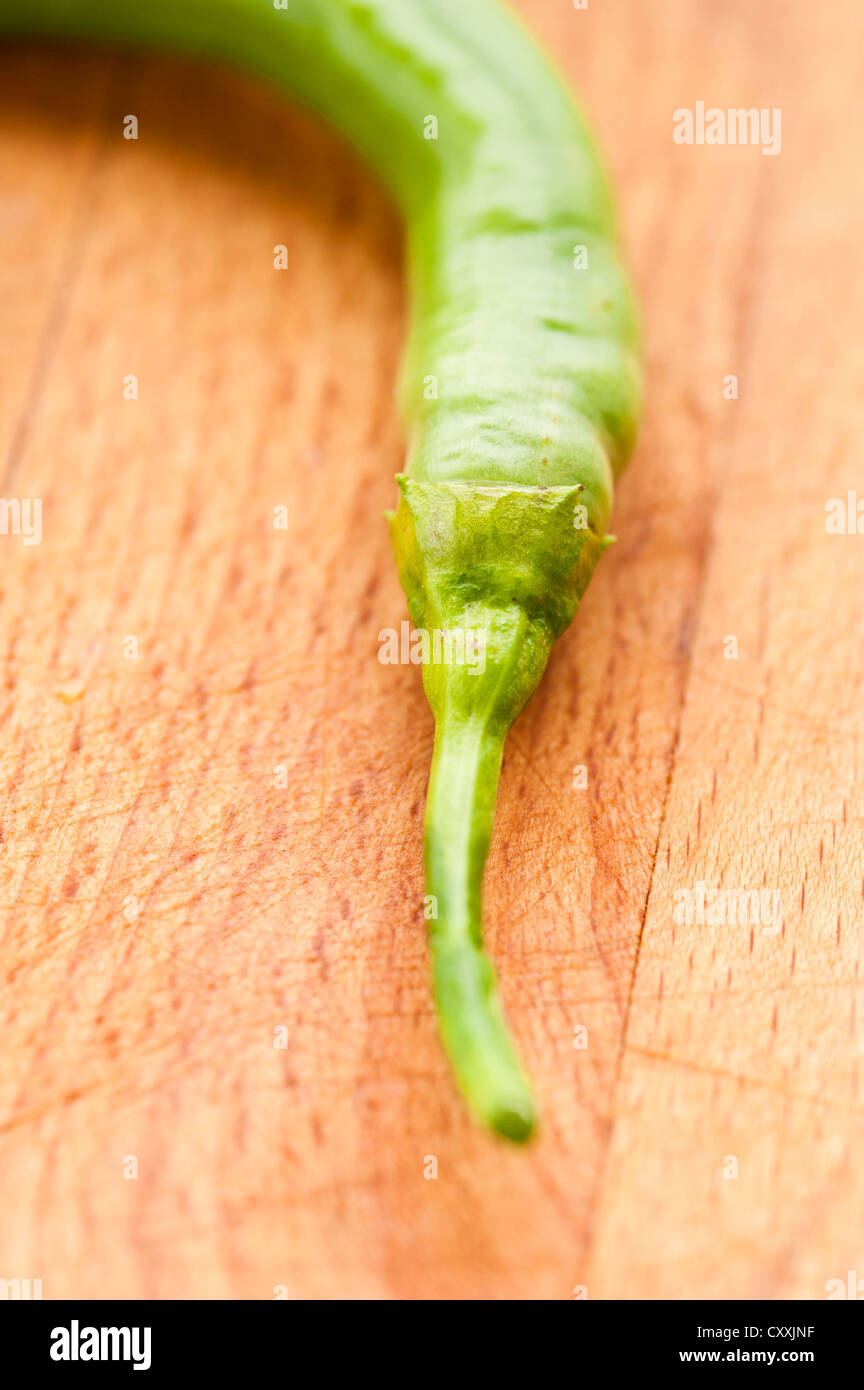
(520, 388)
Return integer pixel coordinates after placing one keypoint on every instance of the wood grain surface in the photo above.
(212, 790)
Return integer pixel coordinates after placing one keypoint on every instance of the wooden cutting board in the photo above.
(220, 1075)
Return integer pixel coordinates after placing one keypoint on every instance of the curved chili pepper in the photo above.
(520, 387)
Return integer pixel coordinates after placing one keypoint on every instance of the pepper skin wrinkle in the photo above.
(520, 387)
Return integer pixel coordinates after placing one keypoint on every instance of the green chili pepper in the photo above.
(520, 386)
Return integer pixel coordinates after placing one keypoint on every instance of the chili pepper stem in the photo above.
(506, 563)
(459, 815)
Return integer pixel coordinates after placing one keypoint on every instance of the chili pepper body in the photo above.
(520, 385)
